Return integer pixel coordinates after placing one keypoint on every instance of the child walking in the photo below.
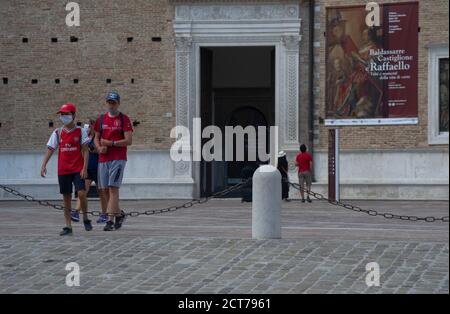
(92, 177)
(73, 157)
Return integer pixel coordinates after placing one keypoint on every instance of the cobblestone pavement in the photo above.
(208, 249)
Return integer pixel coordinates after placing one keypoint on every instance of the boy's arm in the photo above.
(85, 152)
(127, 141)
(101, 149)
(48, 155)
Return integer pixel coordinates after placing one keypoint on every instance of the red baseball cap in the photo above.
(67, 108)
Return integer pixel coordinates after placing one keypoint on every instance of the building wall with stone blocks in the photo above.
(128, 43)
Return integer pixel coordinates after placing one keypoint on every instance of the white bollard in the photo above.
(266, 210)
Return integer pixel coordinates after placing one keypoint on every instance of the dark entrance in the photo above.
(237, 89)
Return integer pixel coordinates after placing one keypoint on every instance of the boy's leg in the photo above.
(103, 200)
(105, 196)
(80, 188)
(110, 220)
(87, 185)
(102, 186)
(67, 209)
(65, 188)
(83, 203)
(113, 203)
(117, 168)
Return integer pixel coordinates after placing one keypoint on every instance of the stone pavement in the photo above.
(208, 249)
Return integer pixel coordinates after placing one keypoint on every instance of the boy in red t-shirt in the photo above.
(73, 155)
(113, 133)
(304, 163)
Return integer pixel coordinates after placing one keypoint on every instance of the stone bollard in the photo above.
(266, 211)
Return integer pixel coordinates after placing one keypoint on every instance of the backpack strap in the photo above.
(101, 125)
(58, 132)
(122, 123)
(81, 135)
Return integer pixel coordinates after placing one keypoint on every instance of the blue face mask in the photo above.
(113, 111)
(66, 119)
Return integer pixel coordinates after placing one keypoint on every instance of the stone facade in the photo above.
(135, 45)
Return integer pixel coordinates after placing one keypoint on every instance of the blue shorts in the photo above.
(93, 175)
(110, 174)
(68, 180)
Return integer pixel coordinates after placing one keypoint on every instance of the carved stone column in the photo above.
(183, 97)
(291, 92)
(183, 70)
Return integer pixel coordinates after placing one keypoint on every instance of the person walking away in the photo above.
(304, 163)
(73, 157)
(113, 133)
(283, 167)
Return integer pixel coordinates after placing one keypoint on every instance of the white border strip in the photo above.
(393, 121)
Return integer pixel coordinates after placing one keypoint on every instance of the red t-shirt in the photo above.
(70, 158)
(304, 162)
(112, 131)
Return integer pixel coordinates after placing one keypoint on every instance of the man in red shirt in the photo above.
(304, 163)
(113, 133)
(73, 157)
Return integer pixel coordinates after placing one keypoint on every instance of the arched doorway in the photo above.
(237, 89)
(245, 116)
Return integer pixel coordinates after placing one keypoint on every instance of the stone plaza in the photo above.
(209, 249)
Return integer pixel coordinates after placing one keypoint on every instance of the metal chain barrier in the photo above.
(132, 213)
(370, 212)
(318, 196)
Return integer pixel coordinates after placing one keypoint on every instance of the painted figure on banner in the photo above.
(353, 91)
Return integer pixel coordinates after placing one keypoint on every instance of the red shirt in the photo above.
(70, 158)
(112, 131)
(304, 162)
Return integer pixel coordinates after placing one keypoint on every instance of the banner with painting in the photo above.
(372, 64)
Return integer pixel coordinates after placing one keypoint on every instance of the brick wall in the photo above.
(102, 52)
(433, 20)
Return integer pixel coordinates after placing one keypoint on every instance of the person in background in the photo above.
(92, 176)
(283, 167)
(304, 163)
(113, 134)
(73, 157)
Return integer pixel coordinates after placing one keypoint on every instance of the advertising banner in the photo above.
(372, 64)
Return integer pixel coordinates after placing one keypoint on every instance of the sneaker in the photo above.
(87, 225)
(66, 231)
(287, 200)
(109, 226)
(75, 215)
(303, 200)
(119, 220)
(102, 218)
(309, 200)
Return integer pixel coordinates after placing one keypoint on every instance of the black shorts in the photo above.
(93, 175)
(68, 180)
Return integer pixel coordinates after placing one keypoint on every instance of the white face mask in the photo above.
(66, 119)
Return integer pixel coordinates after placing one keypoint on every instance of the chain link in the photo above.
(189, 204)
(370, 212)
(134, 213)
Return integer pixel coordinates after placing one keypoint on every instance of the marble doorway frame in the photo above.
(226, 25)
